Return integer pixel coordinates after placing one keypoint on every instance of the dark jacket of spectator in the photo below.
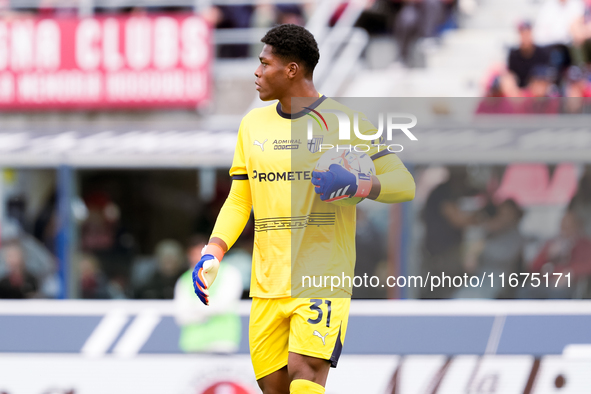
(569, 252)
(171, 265)
(444, 221)
(18, 286)
(18, 281)
(523, 59)
(522, 62)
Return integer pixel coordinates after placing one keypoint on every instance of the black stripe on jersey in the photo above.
(320, 215)
(296, 222)
(240, 177)
(382, 154)
(301, 113)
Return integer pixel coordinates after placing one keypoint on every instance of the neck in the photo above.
(527, 49)
(304, 89)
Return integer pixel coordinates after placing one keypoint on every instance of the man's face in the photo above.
(525, 35)
(13, 256)
(271, 75)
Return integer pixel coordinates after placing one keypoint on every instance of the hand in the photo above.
(204, 274)
(338, 183)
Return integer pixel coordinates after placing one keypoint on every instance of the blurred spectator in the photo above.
(508, 85)
(577, 91)
(540, 87)
(528, 55)
(214, 328)
(171, 264)
(581, 32)
(450, 13)
(103, 236)
(580, 204)
(233, 17)
(93, 283)
(289, 13)
(445, 222)
(416, 19)
(377, 19)
(370, 253)
(500, 90)
(540, 82)
(554, 21)
(500, 252)
(552, 30)
(569, 252)
(39, 261)
(577, 84)
(18, 281)
(99, 229)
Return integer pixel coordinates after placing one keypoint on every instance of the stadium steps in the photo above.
(458, 65)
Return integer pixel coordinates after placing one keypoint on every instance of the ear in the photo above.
(292, 69)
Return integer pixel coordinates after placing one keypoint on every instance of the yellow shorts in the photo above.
(313, 327)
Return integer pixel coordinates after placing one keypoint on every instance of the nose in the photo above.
(257, 72)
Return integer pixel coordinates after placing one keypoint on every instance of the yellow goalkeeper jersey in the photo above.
(296, 234)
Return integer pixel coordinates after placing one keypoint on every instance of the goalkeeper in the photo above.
(295, 334)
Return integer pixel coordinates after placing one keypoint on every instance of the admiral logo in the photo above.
(288, 176)
(286, 144)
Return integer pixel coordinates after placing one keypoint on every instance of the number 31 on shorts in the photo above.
(317, 305)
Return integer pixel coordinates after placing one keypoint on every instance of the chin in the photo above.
(266, 96)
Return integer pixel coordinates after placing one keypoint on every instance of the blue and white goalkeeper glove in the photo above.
(204, 274)
(337, 183)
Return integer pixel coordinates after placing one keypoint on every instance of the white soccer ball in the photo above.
(350, 160)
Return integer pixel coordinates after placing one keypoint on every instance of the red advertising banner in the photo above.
(105, 62)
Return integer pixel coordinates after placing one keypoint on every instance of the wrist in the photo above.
(364, 185)
(215, 250)
(376, 188)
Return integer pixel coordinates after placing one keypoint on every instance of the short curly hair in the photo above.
(293, 43)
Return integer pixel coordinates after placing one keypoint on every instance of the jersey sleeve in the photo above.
(234, 213)
(397, 183)
(238, 170)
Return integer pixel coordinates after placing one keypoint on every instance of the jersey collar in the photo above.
(285, 115)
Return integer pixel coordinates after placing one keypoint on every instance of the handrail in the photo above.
(338, 36)
(333, 68)
(345, 63)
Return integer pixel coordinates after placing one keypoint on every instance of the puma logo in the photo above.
(260, 144)
(316, 333)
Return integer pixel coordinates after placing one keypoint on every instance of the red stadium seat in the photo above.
(527, 184)
(563, 186)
